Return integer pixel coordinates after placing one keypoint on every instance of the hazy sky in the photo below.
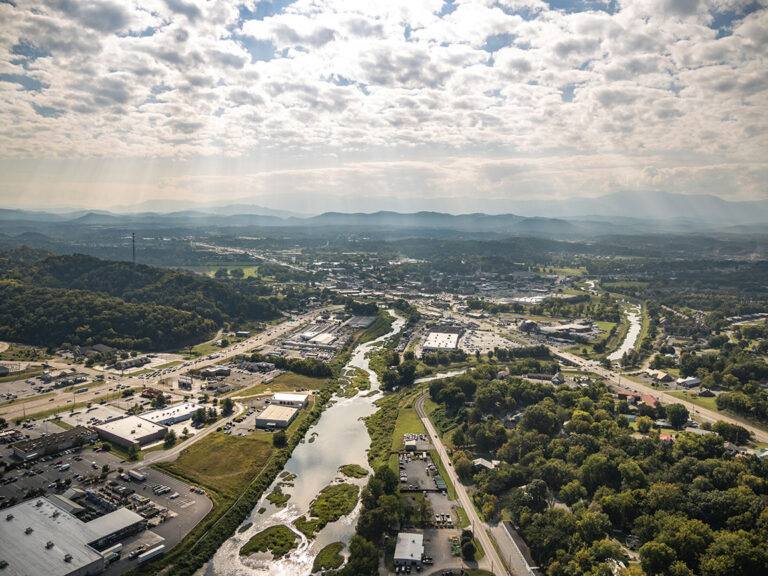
(357, 103)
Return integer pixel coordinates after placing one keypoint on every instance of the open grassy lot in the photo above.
(276, 539)
(408, 422)
(223, 463)
(288, 382)
(708, 403)
(21, 353)
(23, 375)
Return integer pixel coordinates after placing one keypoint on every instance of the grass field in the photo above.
(708, 403)
(463, 518)
(408, 422)
(288, 382)
(20, 353)
(221, 462)
(23, 375)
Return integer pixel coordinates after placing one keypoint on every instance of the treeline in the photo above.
(573, 478)
(141, 284)
(305, 366)
(51, 316)
(80, 300)
(736, 369)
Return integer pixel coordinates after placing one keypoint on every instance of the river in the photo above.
(340, 437)
(630, 340)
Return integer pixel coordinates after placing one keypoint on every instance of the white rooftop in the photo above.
(26, 553)
(287, 397)
(175, 411)
(441, 341)
(410, 547)
(130, 427)
(113, 522)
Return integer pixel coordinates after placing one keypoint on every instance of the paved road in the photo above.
(617, 382)
(620, 383)
(17, 409)
(491, 560)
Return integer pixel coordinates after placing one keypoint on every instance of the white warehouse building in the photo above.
(172, 414)
(292, 400)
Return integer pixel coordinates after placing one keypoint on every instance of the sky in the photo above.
(310, 105)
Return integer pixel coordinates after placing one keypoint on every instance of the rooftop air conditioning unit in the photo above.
(68, 558)
(9, 517)
(28, 530)
(48, 545)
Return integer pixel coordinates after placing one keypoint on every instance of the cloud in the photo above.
(429, 81)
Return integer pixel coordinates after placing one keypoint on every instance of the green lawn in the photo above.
(23, 375)
(463, 518)
(288, 382)
(408, 422)
(708, 403)
(222, 462)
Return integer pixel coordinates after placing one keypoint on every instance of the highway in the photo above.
(615, 380)
(96, 392)
(491, 560)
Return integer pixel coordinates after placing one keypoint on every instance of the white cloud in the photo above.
(514, 79)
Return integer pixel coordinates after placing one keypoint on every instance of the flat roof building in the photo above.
(130, 430)
(114, 526)
(38, 537)
(171, 414)
(36, 447)
(409, 549)
(275, 417)
(441, 341)
(293, 400)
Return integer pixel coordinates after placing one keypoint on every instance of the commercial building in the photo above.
(112, 527)
(39, 537)
(130, 430)
(360, 322)
(441, 341)
(131, 363)
(689, 382)
(172, 414)
(36, 447)
(293, 400)
(275, 417)
(409, 549)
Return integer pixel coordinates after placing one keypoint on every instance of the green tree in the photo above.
(644, 424)
(656, 557)
(677, 414)
(227, 406)
(133, 452)
(279, 439)
(169, 440)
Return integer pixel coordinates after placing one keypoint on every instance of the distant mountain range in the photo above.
(616, 214)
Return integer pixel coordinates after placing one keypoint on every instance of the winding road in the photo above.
(491, 561)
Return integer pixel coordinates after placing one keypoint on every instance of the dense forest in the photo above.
(50, 300)
(584, 488)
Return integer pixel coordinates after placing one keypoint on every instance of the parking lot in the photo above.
(82, 469)
(480, 340)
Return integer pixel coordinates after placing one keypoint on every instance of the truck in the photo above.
(149, 554)
(81, 390)
(112, 554)
(136, 475)
(64, 468)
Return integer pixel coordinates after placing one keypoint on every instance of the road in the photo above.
(491, 560)
(95, 392)
(615, 380)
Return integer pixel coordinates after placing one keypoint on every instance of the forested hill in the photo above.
(48, 300)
